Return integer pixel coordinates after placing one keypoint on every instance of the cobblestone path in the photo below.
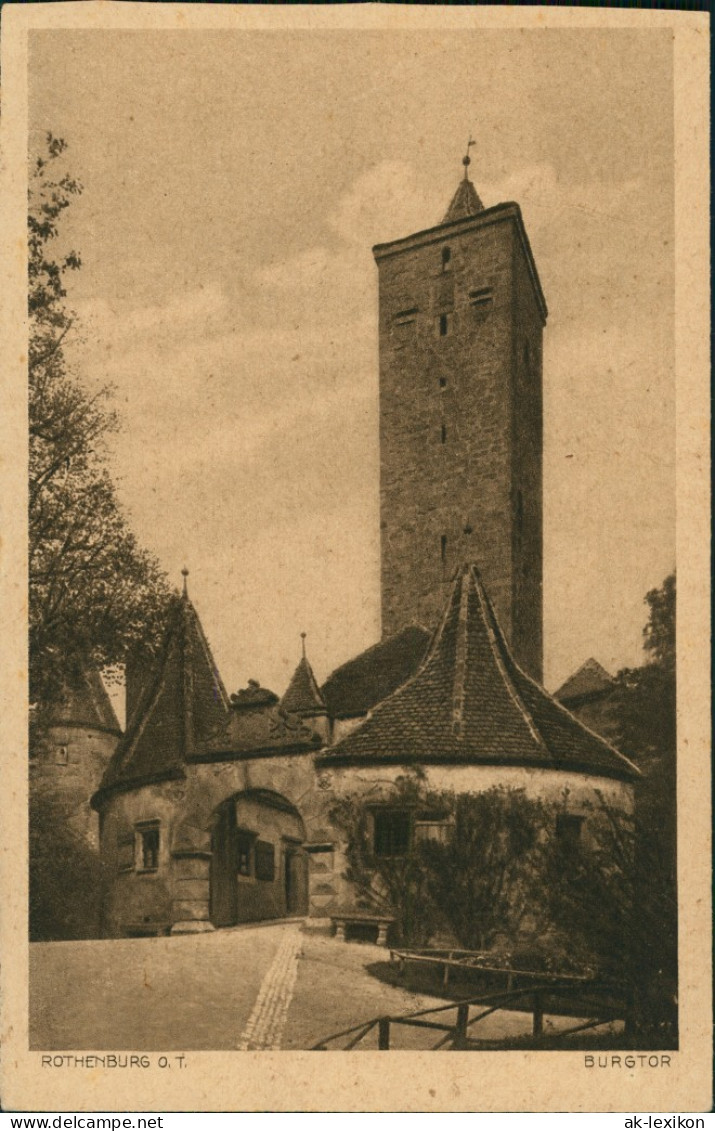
(268, 1017)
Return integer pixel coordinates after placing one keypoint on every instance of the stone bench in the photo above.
(345, 919)
(146, 930)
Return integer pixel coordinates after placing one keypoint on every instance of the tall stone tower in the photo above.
(461, 318)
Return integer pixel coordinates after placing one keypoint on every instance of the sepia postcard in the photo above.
(355, 447)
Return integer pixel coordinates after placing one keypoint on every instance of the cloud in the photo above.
(187, 313)
(385, 202)
(306, 269)
(544, 197)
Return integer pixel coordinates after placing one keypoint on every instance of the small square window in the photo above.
(568, 829)
(392, 833)
(148, 846)
(62, 756)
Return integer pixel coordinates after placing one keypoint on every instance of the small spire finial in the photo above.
(185, 574)
(302, 641)
(466, 160)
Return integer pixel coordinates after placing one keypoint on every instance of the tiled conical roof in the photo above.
(85, 703)
(367, 679)
(303, 694)
(590, 679)
(183, 704)
(470, 703)
(465, 202)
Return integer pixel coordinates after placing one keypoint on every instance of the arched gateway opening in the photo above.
(258, 863)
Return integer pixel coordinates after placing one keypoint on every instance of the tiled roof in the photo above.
(184, 715)
(358, 685)
(590, 679)
(303, 695)
(85, 703)
(465, 203)
(470, 703)
(182, 705)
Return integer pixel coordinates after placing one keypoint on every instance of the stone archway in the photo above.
(258, 862)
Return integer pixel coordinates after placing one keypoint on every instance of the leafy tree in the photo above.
(620, 896)
(93, 592)
(66, 876)
(486, 878)
(646, 716)
(644, 697)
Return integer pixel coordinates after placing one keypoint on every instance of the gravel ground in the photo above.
(261, 987)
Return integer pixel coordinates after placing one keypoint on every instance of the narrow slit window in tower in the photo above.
(446, 257)
(444, 433)
(443, 382)
(443, 325)
(443, 548)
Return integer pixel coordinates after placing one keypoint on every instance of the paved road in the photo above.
(260, 987)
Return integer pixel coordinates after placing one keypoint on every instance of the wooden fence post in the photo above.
(538, 1015)
(460, 1033)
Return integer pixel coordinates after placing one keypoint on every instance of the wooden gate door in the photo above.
(296, 882)
(224, 888)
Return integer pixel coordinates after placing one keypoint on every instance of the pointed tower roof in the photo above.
(590, 679)
(303, 694)
(85, 703)
(465, 202)
(470, 703)
(183, 704)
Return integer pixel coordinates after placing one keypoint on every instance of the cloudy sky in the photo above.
(234, 183)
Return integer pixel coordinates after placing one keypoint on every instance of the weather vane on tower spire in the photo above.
(466, 160)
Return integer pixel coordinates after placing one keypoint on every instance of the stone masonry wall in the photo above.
(527, 477)
(449, 333)
(178, 891)
(67, 767)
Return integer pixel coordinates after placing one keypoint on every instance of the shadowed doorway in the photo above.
(258, 863)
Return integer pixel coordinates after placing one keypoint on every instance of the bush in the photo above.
(481, 882)
(66, 877)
